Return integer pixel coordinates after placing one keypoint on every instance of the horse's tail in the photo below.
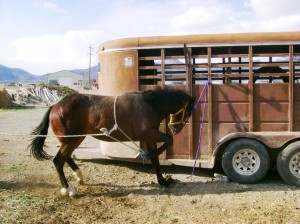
(37, 144)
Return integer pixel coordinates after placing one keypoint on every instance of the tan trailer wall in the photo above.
(117, 74)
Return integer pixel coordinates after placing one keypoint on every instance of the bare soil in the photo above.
(121, 192)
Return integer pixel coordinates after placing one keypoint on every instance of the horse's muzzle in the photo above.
(175, 129)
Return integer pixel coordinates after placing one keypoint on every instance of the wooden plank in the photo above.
(268, 92)
(174, 66)
(200, 65)
(297, 126)
(270, 64)
(271, 55)
(230, 56)
(234, 75)
(181, 142)
(149, 58)
(175, 76)
(231, 112)
(146, 87)
(230, 93)
(228, 65)
(150, 77)
(163, 77)
(223, 129)
(149, 67)
(271, 112)
(270, 74)
(200, 56)
(204, 147)
(251, 91)
(174, 57)
(189, 89)
(296, 92)
(296, 116)
(291, 88)
(210, 102)
(261, 126)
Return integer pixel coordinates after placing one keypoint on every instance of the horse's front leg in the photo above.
(153, 153)
(155, 163)
(154, 137)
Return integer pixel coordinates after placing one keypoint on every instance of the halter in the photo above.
(181, 121)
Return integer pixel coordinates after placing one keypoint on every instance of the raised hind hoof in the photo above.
(68, 192)
(78, 176)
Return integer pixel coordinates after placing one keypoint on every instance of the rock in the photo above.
(5, 99)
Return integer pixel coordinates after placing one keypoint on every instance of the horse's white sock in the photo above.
(78, 174)
(67, 191)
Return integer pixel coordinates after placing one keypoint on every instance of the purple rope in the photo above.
(200, 97)
(201, 124)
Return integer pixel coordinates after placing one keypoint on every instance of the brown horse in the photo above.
(134, 115)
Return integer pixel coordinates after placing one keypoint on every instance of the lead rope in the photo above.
(205, 89)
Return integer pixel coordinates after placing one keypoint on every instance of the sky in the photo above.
(44, 36)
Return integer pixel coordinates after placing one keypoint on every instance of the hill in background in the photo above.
(16, 75)
(8, 75)
(85, 72)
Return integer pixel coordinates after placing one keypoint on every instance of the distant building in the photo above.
(65, 78)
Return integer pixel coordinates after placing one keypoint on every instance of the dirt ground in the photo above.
(120, 192)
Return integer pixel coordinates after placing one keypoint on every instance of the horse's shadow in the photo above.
(147, 168)
(203, 182)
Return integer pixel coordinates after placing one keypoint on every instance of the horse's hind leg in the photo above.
(63, 156)
(76, 171)
(59, 163)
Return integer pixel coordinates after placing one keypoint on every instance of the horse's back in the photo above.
(73, 101)
(74, 112)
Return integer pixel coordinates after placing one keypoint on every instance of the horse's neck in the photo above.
(168, 108)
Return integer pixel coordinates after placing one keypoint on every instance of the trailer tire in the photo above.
(246, 161)
(288, 164)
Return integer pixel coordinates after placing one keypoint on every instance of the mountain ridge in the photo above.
(8, 75)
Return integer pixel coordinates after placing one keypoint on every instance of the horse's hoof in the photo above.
(165, 184)
(167, 181)
(64, 192)
(67, 192)
(169, 178)
(74, 196)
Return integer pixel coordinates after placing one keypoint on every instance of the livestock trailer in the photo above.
(252, 116)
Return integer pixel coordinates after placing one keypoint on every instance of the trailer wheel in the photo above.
(246, 161)
(288, 164)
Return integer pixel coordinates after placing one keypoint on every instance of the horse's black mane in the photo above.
(165, 96)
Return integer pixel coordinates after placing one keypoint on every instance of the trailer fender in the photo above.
(223, 142)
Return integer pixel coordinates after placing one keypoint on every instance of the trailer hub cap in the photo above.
(295, 165)
(246, 162)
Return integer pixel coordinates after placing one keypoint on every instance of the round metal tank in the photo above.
(118, 72)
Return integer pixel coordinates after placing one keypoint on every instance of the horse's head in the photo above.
(179, 118)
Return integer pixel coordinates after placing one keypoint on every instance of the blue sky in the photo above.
(43, 36)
